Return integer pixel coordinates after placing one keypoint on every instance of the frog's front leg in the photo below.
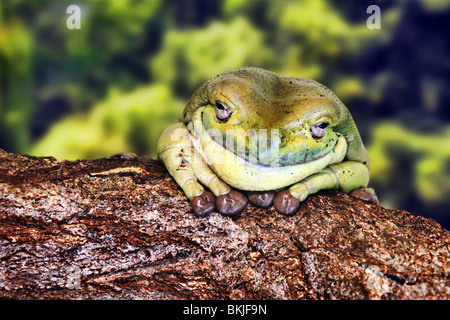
(346, 176)
(189, 170)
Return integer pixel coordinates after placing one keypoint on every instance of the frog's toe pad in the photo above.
(366, 194)
(261, 199)
(231, 204)
(285, 203)
(203, 204)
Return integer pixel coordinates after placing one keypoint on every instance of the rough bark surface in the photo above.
(122, 229)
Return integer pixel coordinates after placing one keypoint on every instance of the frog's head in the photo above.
(277, 120)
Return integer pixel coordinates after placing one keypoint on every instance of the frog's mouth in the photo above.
(245, 175)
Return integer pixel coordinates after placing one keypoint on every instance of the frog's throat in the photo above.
(244, 175)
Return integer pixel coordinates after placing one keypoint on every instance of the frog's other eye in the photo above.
(223, 112)
(319, 130)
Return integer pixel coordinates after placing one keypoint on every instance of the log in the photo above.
(118, 228)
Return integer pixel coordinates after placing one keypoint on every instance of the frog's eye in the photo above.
(223, 112)
(319, 130)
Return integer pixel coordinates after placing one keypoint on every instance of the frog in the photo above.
(252, 135)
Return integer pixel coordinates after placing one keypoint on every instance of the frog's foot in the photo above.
(366, 194)
(232, 203)
(261, 199)
(285, 203)
(203, 204)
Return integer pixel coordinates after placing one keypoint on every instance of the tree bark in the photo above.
(122, 229)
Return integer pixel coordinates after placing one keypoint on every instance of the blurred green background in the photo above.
(116, 83)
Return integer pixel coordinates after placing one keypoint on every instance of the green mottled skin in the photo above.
(260, 99)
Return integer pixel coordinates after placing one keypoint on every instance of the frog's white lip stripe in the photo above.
(245, 175)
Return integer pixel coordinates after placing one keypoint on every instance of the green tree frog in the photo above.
(274, 138)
